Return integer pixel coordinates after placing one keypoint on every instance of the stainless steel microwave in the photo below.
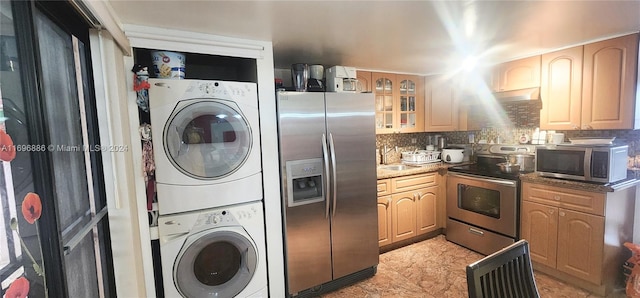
(596, 163)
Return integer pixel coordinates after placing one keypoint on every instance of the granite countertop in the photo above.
(631, 180)
(414, 170)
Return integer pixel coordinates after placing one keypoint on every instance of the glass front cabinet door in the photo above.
(399, 103)
(383, 89)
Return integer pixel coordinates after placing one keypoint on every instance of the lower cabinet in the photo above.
(567, 228)
(408, 207)
(384, 220)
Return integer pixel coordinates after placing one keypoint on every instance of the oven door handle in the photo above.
(484, 179)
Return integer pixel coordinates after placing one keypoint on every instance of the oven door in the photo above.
(485, 202)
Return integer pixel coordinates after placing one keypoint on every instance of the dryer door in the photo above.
(215, 264)
(207, 139)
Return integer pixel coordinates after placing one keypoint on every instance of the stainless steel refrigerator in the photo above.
(328, 170)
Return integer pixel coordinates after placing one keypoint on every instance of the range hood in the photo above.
(527, 94)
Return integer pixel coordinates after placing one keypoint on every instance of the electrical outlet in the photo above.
(414, 140)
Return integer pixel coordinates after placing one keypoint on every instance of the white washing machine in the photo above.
(214, 253)
(206, 143)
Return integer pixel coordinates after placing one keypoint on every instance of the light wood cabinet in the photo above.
(566, 229)
(399, 102)
(609, 83)
(517, 74)
(441, 105)
(539, 225)
(561, 89)
(364, 81)
(411, 208)
(580, 245)
(427, 210)
(383, 89)
(403, 216)
(591, 86)
(384, 220)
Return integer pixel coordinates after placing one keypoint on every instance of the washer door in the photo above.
(207, 139)
(215, 264)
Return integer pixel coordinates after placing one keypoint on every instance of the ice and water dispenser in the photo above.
(304, 181)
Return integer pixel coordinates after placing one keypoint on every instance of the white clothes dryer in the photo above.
(206, 143)
(214, 253)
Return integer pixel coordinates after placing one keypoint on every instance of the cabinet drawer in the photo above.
(589, 202)
(412, 182)
(384, 187)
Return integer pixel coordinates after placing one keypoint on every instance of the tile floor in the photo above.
(435, 268)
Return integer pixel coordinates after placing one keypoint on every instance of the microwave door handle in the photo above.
(588, 154)
(325, 159)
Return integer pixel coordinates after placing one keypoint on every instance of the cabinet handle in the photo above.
(557, 198)
(551, 211)
(576, 127)
(561, 213)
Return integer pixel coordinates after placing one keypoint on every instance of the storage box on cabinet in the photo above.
(566, 229)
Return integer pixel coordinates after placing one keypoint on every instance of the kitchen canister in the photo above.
(168, 65)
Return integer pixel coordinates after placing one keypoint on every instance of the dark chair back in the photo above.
(505, 273)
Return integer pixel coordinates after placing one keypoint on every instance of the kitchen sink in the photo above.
(394, 167)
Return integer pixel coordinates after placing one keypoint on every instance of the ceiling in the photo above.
(420, 37)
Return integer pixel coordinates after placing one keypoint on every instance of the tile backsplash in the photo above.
(522, 119)
(405, 141)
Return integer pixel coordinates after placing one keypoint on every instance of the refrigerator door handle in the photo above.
(334, 183)
(325, 158)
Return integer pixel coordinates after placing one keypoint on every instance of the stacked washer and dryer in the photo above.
(206, 142)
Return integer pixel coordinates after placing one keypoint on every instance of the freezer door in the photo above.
(352, 140)
(301, 124)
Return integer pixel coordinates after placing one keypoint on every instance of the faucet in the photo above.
(386, 150)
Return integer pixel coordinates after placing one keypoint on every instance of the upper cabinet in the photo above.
(383, 88)
(411, 102)
(561, 89)
(517, 74)
(364, 81)
(609, 83)
(399, 102)
(591, 86)
(441, 105)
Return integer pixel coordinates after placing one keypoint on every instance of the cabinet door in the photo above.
(410, 112)
(403, 217)
(561, 89)
(518, 74)
(609, 82)
(426, 210)
(384, 220)
(441, 106)
(364, 81)
(580, 245)
(539, 226)
(383, 88)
